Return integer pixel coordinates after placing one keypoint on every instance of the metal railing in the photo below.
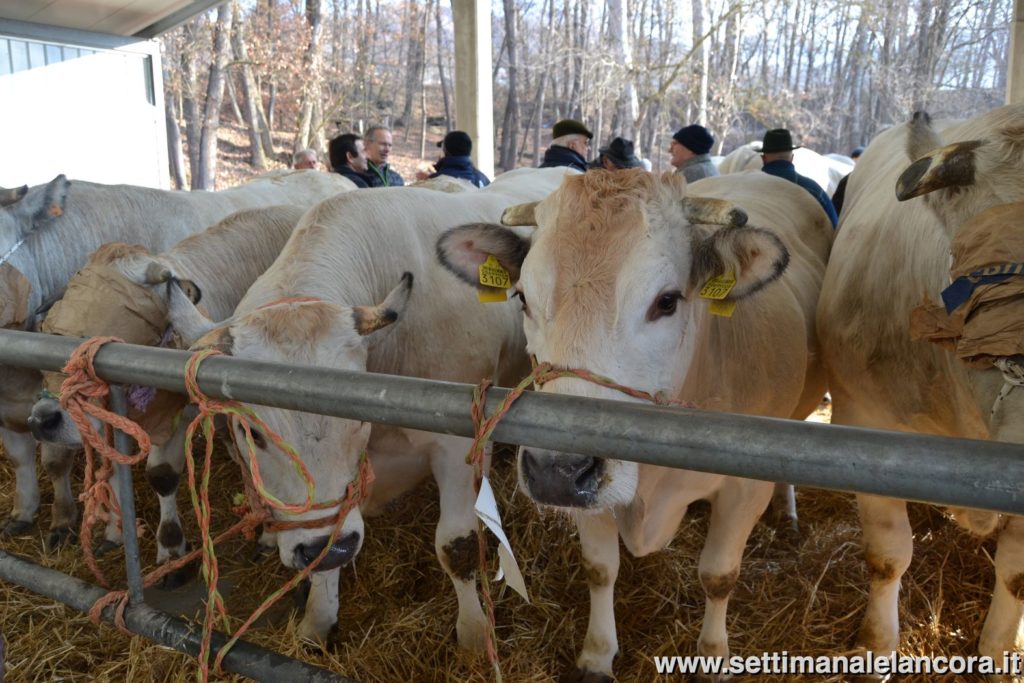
(960, 472)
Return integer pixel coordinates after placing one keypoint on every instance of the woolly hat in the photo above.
(569, 127)
(778, 140)
(456, 144)
(695, 138)
(620, 151)
(857, 151)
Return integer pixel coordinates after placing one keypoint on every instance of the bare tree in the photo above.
(205, 179)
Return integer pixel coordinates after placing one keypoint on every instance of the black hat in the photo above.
(570, 127)
(620, 151)
(857, 151)
(778, 140)
(695, 138)
(456, 144)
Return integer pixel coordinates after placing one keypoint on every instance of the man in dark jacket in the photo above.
(348, 158)
(457, 146)
(569, 147)
(777, 155)
(616, 155)
(378, 150)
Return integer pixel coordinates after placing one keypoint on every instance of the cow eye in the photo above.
(518, 294)
(257, 437)
(664, 306)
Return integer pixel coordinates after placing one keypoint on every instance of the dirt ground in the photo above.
(397, 616)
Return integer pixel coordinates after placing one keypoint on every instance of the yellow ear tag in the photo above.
(722, 308)
(496, 278)
(718, 287)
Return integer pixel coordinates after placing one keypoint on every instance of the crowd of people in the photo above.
(364, 159)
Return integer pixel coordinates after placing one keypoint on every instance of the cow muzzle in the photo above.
(46, 420)
(562, 479)
(338, 555)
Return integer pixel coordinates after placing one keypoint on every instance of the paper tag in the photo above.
(491, 295)
(487, 510)
(493, 275)
(722, 308)
(718, 287)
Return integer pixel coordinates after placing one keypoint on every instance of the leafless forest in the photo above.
(834, 71)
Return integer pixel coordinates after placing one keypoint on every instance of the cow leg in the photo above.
(735, 509)
(57, 461)
(783, 509)
(599, 543)
(1003, 623)
(164, 466)
(456, 537)
(321, 606)
(888, 547)
(21, 449)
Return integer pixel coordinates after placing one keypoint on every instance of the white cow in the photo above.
(124, 291)
(610, 283)
(887, 258)
(347, 253)
(46, 235)
(824, 170)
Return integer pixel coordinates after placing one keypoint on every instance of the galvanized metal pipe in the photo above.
(243, 658)
(961, 472)
(126, 499)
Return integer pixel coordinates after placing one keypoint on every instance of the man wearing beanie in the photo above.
(569, 147)
(457, 146)
(691, 153)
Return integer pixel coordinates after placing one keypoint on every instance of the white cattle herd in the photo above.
(734, 294)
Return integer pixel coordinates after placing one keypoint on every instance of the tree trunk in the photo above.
(445, 95)
(510, 126)
(703, 56)
(312, 64)
(189, 98)
(620, 46)
(260, 144)
(175, 158)
(206, 178)
(413, 62)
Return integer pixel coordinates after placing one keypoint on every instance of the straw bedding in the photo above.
(397, 620)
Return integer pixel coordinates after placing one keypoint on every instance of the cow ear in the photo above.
(950, 166)
(753, 257)
(189, 288)
(156, 273)
(40, 208)
(12, 195)
(369, 319)
(464, 249)
(219, 338)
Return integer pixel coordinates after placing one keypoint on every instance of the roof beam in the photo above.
(176, 19)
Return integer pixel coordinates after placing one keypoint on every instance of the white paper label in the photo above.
(487, 510)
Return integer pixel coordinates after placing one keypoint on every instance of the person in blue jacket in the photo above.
(457, 146)
(777, 155)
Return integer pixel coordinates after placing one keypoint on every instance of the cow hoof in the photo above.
(873, 678)
(587, 676)
(58, 538)
(300, 594)
(788, 532)
(105, 547)
(181, 576)
(701, 678)
(16, 527)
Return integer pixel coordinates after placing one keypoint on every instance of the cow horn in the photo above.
(369, 319)
(949, 166)
(713, 211)
(12, 195)
(520, 214)
(157, 273)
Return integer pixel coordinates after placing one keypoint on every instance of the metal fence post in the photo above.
(126, 498)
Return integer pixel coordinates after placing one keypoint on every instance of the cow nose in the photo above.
(45, 419)
(563, 479)
(338, 555)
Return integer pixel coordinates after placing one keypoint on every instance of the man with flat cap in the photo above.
(569, 146)
(457, 146)
(777, 155)
(691, 153)
(617, 154)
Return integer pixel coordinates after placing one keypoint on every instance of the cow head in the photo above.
(320, 334)
(123, 291)
(961, 179)
(610, 283)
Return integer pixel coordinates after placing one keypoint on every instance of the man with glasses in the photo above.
(569, 147)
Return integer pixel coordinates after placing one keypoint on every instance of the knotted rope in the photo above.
(82, 395)
(483, 428)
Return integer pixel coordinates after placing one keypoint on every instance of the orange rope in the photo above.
(483, 427)
(82, 395)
